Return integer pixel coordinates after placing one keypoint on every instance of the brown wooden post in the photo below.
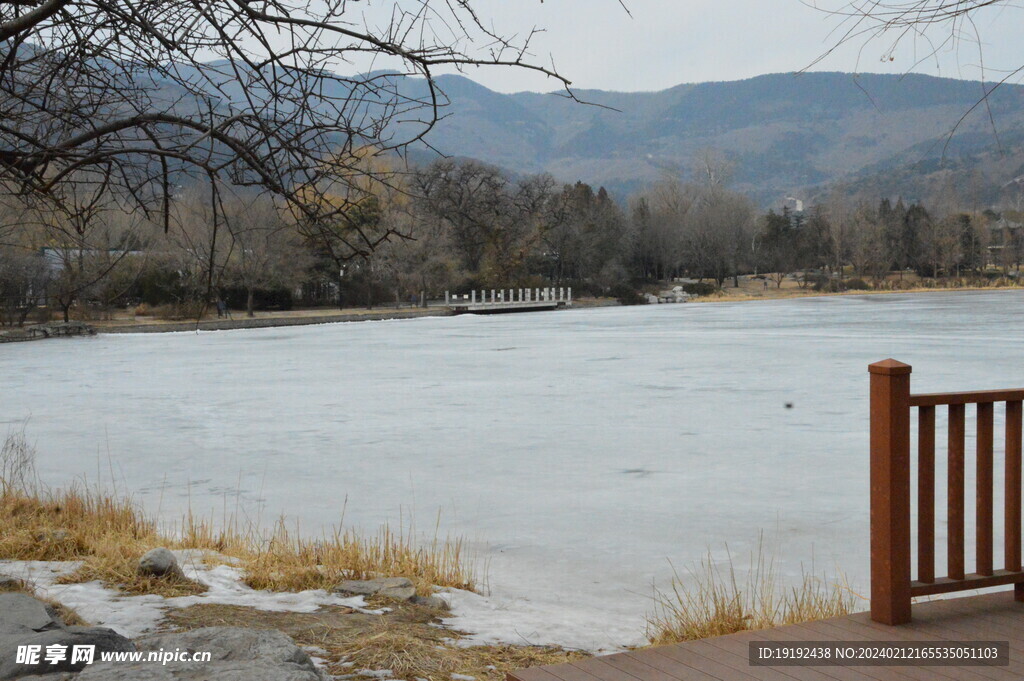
(1012, 521)
(890, 492)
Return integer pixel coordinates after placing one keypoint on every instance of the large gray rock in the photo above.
(26, 621)
(19, 611)
(399, 588)
(105, 640)
(236, 654)
(159, 563)
(432, 602)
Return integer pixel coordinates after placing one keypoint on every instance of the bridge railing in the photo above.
(892, 403)
(511, 296)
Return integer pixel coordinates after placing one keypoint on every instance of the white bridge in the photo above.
(496, 301)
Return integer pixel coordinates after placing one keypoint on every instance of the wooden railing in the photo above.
(892, 585)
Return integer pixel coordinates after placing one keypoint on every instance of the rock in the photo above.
(26, 621)
(651, 299)
(20, 612)
(160, 563)
(398, 588)
(104, 640)
(435, 602)
(52, 537)
(236, 654)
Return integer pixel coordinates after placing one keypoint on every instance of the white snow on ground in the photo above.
(523, 621)
(582, 453)
(135, 615)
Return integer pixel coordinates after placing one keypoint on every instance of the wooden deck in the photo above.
(990, 617)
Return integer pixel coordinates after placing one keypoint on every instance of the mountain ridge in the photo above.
(784, 133)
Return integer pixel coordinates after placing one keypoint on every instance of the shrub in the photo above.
(188, 309)
(700, 289)
(857, 284)
(823, 283)
(626, 295)
(262, 298)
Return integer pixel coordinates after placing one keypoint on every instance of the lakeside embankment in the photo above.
(748, 291)
(290, 318)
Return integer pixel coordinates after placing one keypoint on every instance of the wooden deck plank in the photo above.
(995, 617)
(671, 668)
(794, 634)
(697, 657)
(738, 645)
(734, 655)
(636, 668)
(849, 629)
(832, 630)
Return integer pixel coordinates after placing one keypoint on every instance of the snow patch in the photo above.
(133, 616)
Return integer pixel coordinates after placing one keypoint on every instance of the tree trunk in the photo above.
(249, 303)
(67, 310)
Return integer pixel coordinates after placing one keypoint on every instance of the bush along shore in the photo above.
(79, 566)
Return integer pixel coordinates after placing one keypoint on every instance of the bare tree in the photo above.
(24, 275)
(89, 241)
(264, 249)
(133, 97)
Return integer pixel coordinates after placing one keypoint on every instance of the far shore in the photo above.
(791, 289)
(750, 289)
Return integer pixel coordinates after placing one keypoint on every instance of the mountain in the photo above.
(784, 133)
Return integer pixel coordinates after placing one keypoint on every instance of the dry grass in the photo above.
(409, 655)
(289, 562)
(66, 614)
(716, 604)
(752, 289)
(109, 534)
(405, 639)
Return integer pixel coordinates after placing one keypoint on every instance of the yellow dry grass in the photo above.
(289, 562)
(714, 603)
(409, 655)
(109, 533)
(66, 614)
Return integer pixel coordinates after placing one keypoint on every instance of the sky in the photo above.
(599, 45)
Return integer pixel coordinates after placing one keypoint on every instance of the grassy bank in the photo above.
(109, 534)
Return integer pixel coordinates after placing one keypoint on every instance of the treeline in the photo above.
(457, 225)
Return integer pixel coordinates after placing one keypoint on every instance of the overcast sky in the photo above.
(668, 42)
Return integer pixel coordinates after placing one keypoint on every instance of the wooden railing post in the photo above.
(890, 492)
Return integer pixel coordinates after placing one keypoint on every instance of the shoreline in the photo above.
(746, 298)
(266, 322)
(382, 314)
(309, 318)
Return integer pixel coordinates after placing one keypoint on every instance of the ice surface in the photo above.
(580, 451)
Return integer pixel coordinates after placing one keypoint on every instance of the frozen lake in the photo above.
(581, 450)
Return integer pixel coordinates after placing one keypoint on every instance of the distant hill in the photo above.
(786, 133)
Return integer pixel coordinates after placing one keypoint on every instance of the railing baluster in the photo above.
(1012, 519)
(955, 493)
(983, 495)
(926, 494)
